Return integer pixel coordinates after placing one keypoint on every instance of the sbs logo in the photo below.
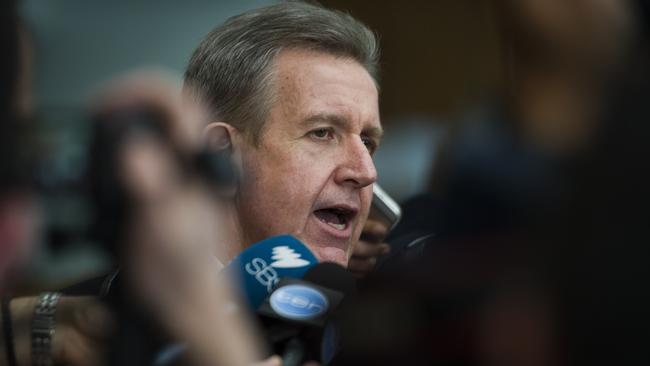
(285, 257)
(298, 302)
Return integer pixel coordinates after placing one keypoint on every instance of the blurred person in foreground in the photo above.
(87, 322)
(532, 250)
(510, 159)
(292, 92)
(19, 211)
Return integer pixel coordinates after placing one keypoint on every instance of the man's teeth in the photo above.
(337, 226)
(333, 218)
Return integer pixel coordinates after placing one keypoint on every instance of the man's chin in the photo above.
(332, 254)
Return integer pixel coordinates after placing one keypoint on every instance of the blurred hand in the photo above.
(83, 326)
(178, 228)
(370, 247)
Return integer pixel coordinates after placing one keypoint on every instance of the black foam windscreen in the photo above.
(332, 276)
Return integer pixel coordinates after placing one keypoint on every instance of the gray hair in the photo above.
(232, 69)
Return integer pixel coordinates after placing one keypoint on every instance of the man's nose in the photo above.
(356, 167)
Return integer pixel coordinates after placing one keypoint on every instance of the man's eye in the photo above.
(321, 134)
(371, 145)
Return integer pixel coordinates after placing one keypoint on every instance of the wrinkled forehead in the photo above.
(308, 83)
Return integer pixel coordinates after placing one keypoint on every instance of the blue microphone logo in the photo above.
(283, 256)
(261, 266)
(298, 302)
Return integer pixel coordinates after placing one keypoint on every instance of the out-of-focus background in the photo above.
(444, 63)
(76, 46)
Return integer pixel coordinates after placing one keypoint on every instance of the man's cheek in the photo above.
(366, 201)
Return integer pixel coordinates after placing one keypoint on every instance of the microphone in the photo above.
(332, 276)
(256, 272)
(335, 277)
(297, 313)
(258, 269)
(293, 295)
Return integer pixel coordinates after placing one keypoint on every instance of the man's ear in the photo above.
(224, 137)
(221, 136)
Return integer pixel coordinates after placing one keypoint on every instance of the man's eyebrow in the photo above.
(376, 133)
(334, 119)
(342, 122)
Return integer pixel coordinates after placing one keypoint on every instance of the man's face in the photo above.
(311, 174)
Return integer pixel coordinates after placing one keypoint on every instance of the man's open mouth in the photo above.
(336, 217)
